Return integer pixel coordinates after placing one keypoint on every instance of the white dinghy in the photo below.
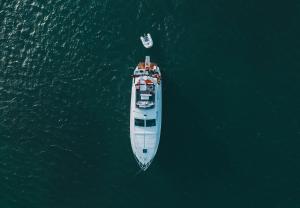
(147, 40)
(145, 112)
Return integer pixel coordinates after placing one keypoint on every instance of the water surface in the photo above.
(230, 135)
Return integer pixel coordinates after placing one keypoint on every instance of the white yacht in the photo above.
(145, 112)
(147, 40)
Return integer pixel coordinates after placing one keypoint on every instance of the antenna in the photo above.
(147, 62)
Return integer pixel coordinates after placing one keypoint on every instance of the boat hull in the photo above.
(147, 41)
(146, 138)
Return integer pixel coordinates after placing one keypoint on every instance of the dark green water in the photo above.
(231, 119)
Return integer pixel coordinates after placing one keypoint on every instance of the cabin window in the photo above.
(139, 122)
(150, 122)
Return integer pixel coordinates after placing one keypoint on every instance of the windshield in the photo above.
(139, 122)
(150, 122)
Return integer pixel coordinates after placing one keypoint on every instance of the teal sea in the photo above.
(231, 106)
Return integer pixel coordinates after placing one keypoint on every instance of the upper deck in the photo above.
(146, 77)
(145, 93)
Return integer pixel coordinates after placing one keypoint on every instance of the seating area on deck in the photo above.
(145, 98)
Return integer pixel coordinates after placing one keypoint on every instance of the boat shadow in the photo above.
(188, 147)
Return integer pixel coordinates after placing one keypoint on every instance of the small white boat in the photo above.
(147, 40)
(145, 112)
